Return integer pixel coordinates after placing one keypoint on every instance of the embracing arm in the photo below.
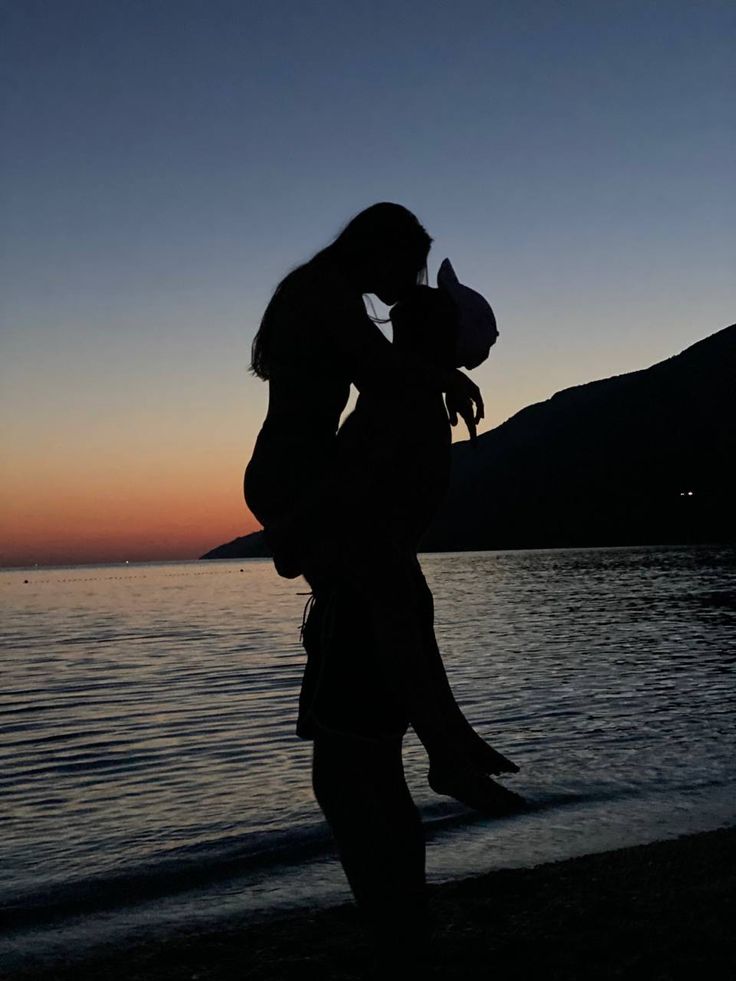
(374, 363)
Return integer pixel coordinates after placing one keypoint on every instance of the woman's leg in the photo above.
(361, 788)
(479, 752)
(398, 605)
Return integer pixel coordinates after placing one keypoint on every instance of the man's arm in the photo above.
(373, 363)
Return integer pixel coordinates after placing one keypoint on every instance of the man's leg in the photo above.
(361, 788)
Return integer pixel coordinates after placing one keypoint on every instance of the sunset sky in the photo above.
(165, 162)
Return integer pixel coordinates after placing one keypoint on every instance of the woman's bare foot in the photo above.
(448, 738)
(456, 737)
(475, 790)
(481, 754)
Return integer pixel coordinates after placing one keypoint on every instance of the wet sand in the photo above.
(660, 911)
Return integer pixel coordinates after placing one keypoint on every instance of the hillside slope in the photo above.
(643, 457)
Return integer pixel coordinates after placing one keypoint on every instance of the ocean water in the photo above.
(150, 776)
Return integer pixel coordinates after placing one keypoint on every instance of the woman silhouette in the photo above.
(373, 667)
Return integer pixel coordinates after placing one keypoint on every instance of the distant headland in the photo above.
(647, 457)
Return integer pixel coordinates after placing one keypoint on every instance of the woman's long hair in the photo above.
(383, 227)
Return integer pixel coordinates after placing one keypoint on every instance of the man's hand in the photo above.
(463, 399)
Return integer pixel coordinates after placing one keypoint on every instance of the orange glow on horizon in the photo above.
(107, 478)
(117, 517)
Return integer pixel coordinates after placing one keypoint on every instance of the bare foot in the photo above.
(475, 789)
(461, 739)
(483, 755)
(448, 737)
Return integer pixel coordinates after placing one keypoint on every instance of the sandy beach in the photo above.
(663, 910)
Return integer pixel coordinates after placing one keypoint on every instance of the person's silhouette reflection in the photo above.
(339, 511)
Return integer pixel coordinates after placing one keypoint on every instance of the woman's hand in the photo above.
(463, 399)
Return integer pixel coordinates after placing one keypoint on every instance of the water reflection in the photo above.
(151, 709)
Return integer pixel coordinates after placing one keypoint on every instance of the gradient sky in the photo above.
(165, 163)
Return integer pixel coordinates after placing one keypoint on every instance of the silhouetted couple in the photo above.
(345, 508)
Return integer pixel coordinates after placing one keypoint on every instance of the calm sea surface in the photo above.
(151, 777)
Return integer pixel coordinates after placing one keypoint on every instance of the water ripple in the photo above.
(149, 713)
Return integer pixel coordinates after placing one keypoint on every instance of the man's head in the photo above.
(426, 324)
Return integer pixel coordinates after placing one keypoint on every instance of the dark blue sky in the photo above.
(165, 163)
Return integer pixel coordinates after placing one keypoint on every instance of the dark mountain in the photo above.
(646, 457)
(640, 458)
(246, 547)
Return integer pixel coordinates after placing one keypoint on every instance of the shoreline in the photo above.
(664, 910)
